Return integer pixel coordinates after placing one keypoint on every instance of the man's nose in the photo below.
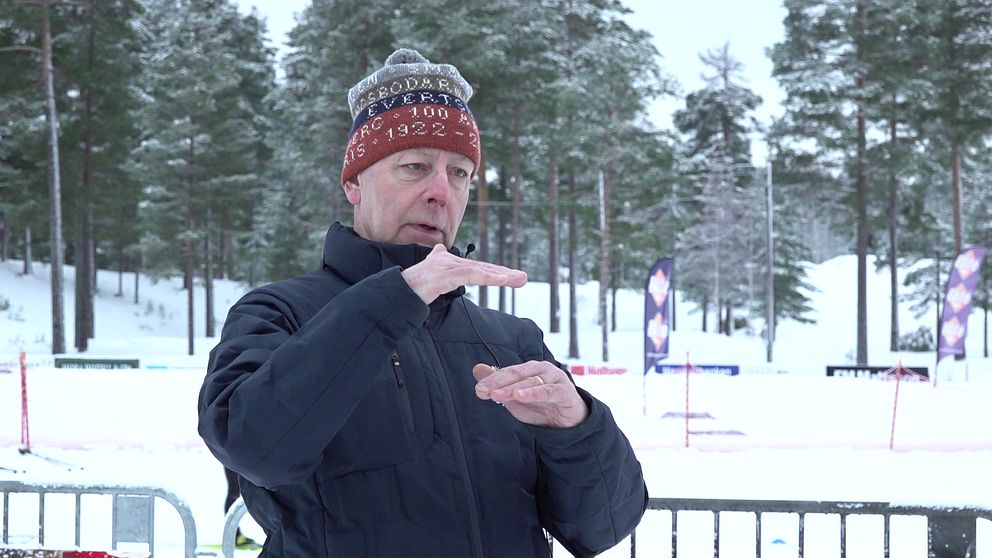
(438, 187)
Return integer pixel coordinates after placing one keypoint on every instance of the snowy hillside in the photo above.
(778, 431)
(156, 326)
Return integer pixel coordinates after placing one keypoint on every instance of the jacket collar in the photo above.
(354, 258)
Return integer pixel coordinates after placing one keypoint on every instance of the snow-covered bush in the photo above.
(919, 341)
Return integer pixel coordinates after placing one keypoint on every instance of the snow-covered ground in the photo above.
(779, 430)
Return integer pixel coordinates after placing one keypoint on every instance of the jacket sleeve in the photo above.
(277, 392)
(592, 492)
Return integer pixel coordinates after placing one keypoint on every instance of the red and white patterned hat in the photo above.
(406, 104)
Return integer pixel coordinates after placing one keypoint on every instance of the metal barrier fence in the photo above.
(951, 531)
(133, 519)
(231, 522)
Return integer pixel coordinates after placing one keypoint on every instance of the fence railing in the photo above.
(951, 531)
(231, 522)
(133, 512)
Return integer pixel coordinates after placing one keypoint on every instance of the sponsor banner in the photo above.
(657, 315)
(97, 363)
(595, 370)
(720, 369)
(957, 301)
(854, 370)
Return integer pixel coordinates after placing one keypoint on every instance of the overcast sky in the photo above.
(682, 30)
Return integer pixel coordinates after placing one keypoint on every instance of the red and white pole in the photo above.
(25, 429)
(895, 406)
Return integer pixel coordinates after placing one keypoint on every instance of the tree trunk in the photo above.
(28, 263)
(227, 244)
(728, 323)
(222, 251)
(137, 275)
(4, 239)
(706, 311)
(91, 254)
(893, 243)
(573, 271)
(208, 280)
(82, 292)
(54, 186)
(554, 325)
(604, 260)
(120, 271)
(956, 194)
(937, 301)
(985, 336)
(482, 195)
(253, 267)
(501, 237)
(671, 282)
(862, 210)
(515, 233)
(190, 260)
(85, 260)
(613, 306)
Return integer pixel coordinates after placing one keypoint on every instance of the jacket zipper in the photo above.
(475, 532)
(404, 394)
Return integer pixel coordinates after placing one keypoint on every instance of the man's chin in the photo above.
(426, 240)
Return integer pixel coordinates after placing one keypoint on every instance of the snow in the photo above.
(779, 430)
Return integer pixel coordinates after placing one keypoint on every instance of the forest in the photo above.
(165, 138)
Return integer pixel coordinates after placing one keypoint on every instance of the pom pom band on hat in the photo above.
(407, 99)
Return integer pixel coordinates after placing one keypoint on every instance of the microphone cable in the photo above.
(468, 250)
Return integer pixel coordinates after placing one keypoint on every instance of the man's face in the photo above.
(416, 196)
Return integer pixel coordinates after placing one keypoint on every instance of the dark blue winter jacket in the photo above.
(348, 406)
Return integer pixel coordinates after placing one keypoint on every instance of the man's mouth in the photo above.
(430, 229)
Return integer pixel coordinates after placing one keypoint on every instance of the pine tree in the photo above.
(957, 60)
(22, 133)
(101, 66)
(822, 64)
(201, 135)
(717, 251)
(332, 47)
(35, 36)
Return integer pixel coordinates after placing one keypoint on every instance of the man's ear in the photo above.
(352, 191)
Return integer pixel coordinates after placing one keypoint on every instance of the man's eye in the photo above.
(461, 173)
(415, 166)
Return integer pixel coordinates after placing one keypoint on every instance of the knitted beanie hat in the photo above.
(409, 103)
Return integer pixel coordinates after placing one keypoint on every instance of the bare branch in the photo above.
(41, 3)
(35, 50)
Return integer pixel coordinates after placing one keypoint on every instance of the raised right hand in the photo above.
(443, 271)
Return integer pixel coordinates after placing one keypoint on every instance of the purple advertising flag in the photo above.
(957, 303)
(656, 313)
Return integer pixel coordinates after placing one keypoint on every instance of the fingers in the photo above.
(475, 272)
(535, 392)
(531, 381)
(442, 272)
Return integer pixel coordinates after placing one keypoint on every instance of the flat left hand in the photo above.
(535, 392)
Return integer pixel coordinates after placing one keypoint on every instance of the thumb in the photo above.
(481, 371)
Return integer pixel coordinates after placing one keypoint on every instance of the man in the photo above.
(371, 411)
